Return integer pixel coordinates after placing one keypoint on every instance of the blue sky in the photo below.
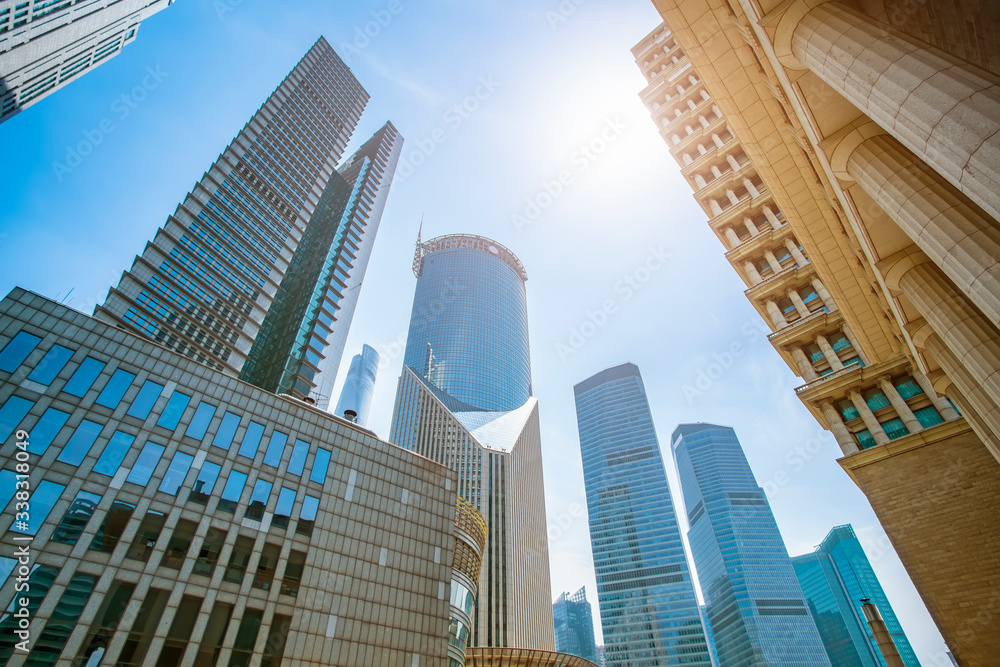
(556, 158)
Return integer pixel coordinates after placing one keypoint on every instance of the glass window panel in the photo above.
(180, 632)
(928, 416)
(114, 453)
(144, 466)
(307, 515)
(239, 557)
(293, 573)
(11, 415)
(895, 428)
(854, 360)
(76, 518)
(232, 491)
(114, 524)
(146, 623)
(848, 410)
(144, 401)
(109, 615)
(50, 365)
(266, 565)
(199, 423)
(865, 439)
(8, 479)
(275, 448)
(176, 472)
(209, 553)
(205, 482)
(180, 542)
(146, 537)
(320, 466)
(876, 400)
(246, 636)
(215, 632)
(115, 389)
(84, 376)
(80, 442)
(43, 499)
(258, 499)
(174, 410)
(45, 430)
(907, 387)
(283, 510)
(298, 461)
(65, 615)
(839, 341)
(17, 350)
(227, 429)
(251, 441)
(39, 582)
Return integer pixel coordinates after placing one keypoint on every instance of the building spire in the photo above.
(418, 255)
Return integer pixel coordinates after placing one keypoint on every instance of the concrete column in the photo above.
(943, 406)
(751, 227)
(902, 409)
(751, 188)
(714, 206)
(753, 273)
(806, 369)
(699, 181)
(854, 341)
(731, 236)
(771, 217)
(836, 425)
(733, 199)
(989, 435)
(868, 417)
(773, 261)
(799, 304)
(716, 171)
(718, 140)
(797, 255)
(945, 111)
(831, 355)
(732, 162)
(777, 317)
(824, 294)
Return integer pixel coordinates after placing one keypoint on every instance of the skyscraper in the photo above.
(649, 613)
(359, 385)
(257, 271)
(754, 602)
(835, 578)
(574, 624)
(464, 400)
(46, 45)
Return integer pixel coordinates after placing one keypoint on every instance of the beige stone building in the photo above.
(848, 158)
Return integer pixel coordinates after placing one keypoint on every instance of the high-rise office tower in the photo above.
(649, 613)
(257, 272)
(46, 45)
(844, 154)
(835, 578)
(703, 611)
(754, 602)
(464, 400)
(359, 385)
(574, 624)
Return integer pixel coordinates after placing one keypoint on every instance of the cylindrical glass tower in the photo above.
(469, 326)
(359, 385)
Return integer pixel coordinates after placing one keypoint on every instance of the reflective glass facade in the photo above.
(359, 385)
(574, 623)
(649, 613)
(755, 605)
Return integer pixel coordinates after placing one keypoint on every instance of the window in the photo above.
(265, 567)
(839, 341)
(146, 622)
(17, 350)
(109, 615)
(43, 499)
(115, 389)
(76, 518)
(176, 472)
(258, 499)
(144, 466)
(114, 453)
(275, 448)
(11, 414)
(238, 560)
(232, 491)
(143, 403)
(298, 461)
(224, 438)
(307, 516)
(815, 352)
(50, 365)
(65, 615)
(246, 637)
(895, 428)
(83, 378)
(293, 573)
(199, 423)
(114, 524)
(251, 441)
(180, 542)
(174, 411)
(320, 466)
(865, 439)
(209, 553)
(875, 399)
(928, 416)
(283, 510)
(80, 442)
(205, 482)
(180, 631)
(215, 633)
(905, 385)
(145, 538)
(45, 430)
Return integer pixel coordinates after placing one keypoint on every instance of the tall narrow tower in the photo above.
(649, 612)
(464, 400)
(359, 385)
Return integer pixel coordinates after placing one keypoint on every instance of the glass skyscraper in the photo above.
(649, 612)
(574, 624)
(835, 578)
(359, 385)
(755, 605)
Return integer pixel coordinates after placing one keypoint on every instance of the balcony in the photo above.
(753, 243)
(806, 328)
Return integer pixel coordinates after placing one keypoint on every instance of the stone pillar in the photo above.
(943, 406)
(854, 341)
(806, 369)
(797, 255)
(836, 425)
(829, 353)
(733, 199)
(751, 188)
(868, 417)
(777, 317)
(731, 236)
(944, 110)
(732, 161)
(773, 261)
(752, 273)
(902, 409)
(771, 217)
(824, 294)
(751, 227)
(800, 305)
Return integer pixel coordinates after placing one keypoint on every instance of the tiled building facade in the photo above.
(849, 169)
(180, 516)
